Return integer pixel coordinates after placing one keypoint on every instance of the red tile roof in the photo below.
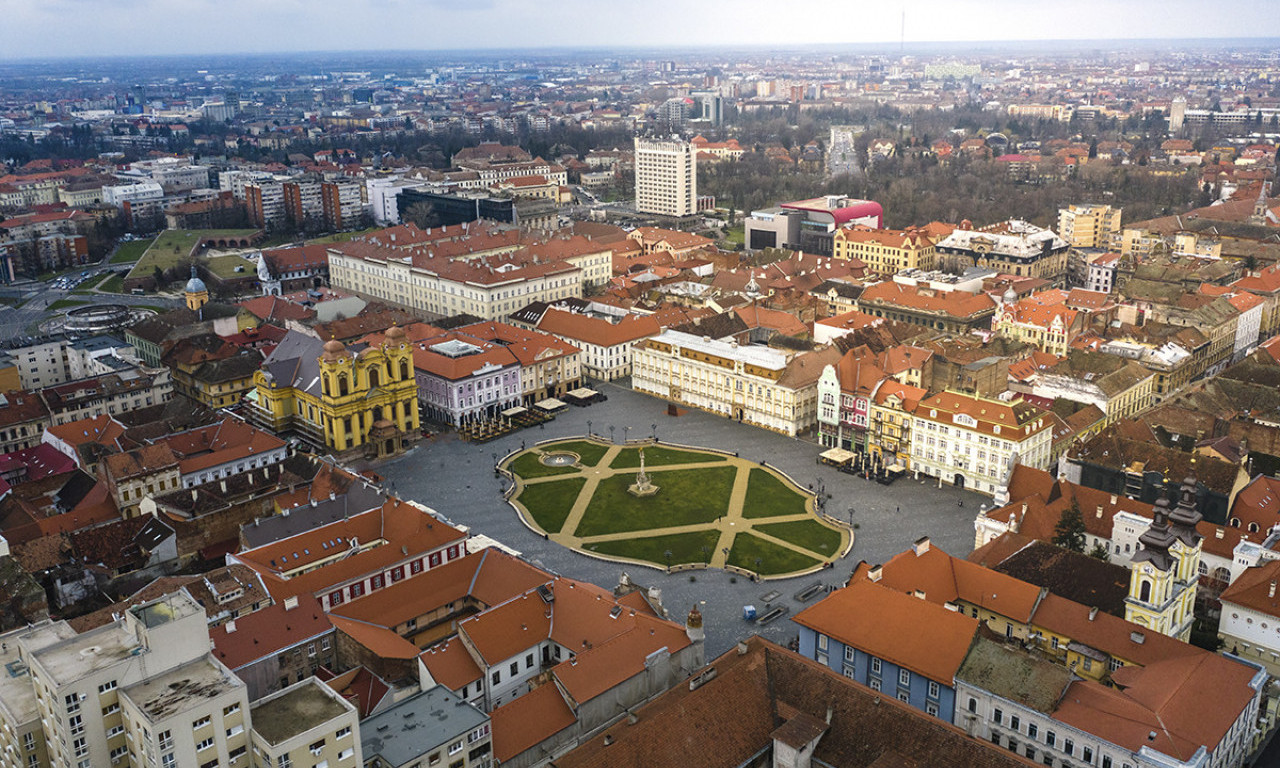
(268, 631)
(529, 720)
(894, 633)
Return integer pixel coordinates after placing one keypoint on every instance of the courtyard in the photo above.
(458, 479)
(704, 508)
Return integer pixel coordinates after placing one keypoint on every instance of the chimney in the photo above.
(1093, 612)
(1271, 591)
(920, 546)
(231, 626)
(290, 603)
(875, 573)
(1099, 513)
(223, 485)
(1138, 637)
(1113, 499)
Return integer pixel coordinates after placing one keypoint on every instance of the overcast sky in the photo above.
(55, 28)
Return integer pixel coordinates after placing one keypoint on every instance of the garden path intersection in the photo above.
(728, 524)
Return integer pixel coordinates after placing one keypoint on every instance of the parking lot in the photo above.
(456, 478)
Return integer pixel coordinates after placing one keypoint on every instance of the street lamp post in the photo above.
(625, 431)
(588, 427)
(667, 555)
(611, 437)
(654, 427)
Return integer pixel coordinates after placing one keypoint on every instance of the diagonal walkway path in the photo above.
(729, 525)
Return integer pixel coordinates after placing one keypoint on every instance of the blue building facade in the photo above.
(933, 697)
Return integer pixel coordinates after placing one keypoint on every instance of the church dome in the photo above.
(1010, 295)
(333, 349)
(396, 334)
(196, 285)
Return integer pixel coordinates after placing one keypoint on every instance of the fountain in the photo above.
(642, 487)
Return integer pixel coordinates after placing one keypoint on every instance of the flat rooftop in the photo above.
(75, 657)
(418, 725)
(295, 711)
(182, 688)
(17, 695)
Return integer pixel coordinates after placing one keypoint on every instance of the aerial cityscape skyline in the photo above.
(62, 29)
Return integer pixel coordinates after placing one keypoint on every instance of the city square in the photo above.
(459, 479)
(696, 509)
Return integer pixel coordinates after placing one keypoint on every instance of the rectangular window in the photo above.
(230, 710)
(1086, 754)
(107, 686)
(904, 677)
(934, 690)
(1033, 730)
(204, 744)
(514, 668)
(848, 653)
(931, 709)
(1050, 738)
(1068, 746)
(496, 677)
(202, 722)
(1015, 722)
(998, 717)
(875, 665)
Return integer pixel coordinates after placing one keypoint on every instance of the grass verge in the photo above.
(765, 557)
(810, 534)
(549, 503)
(692, 547)
(770, 496)
(685, 497)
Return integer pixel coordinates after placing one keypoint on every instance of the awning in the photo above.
(583, 393)
(836, 456)
(510, 412)
(550, 404)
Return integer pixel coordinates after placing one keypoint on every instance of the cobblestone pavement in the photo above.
(456, 478)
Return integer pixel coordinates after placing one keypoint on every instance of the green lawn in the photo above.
(549, 503)
(694, 547)
(67, 304)
(225, 267)
(769, 496)
(113, 284)
(174, 245)
(343, 237)
(773, 559)
(657, 456)
(529, 465)
(131, 251)
(810, 534)
(589, 453)
(736, 234)
(685, 497)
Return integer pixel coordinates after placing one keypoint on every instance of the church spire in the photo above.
(1157, 539)
(1185, 516)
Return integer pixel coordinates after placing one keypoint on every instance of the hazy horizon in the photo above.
(78, 29)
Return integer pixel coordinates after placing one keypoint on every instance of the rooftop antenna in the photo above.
(902, 41)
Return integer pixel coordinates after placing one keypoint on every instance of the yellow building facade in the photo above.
(886, 251)
(340, 398)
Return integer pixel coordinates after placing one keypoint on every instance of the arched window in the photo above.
(325, 389)
(344, 387)
(1253, 528)
(404, 370)
(1144, 592)
(374, 379)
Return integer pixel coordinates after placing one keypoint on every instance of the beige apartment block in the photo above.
(666, 177)
(306, 725)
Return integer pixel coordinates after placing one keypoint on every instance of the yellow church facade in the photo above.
(347, 400)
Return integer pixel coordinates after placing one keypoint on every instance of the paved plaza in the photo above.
(457, 479)
(720, 528)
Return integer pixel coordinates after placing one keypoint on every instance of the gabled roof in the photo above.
(529, 720)
(893, 634)
(268, 631)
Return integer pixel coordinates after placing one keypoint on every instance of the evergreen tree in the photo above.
(1069, 532)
